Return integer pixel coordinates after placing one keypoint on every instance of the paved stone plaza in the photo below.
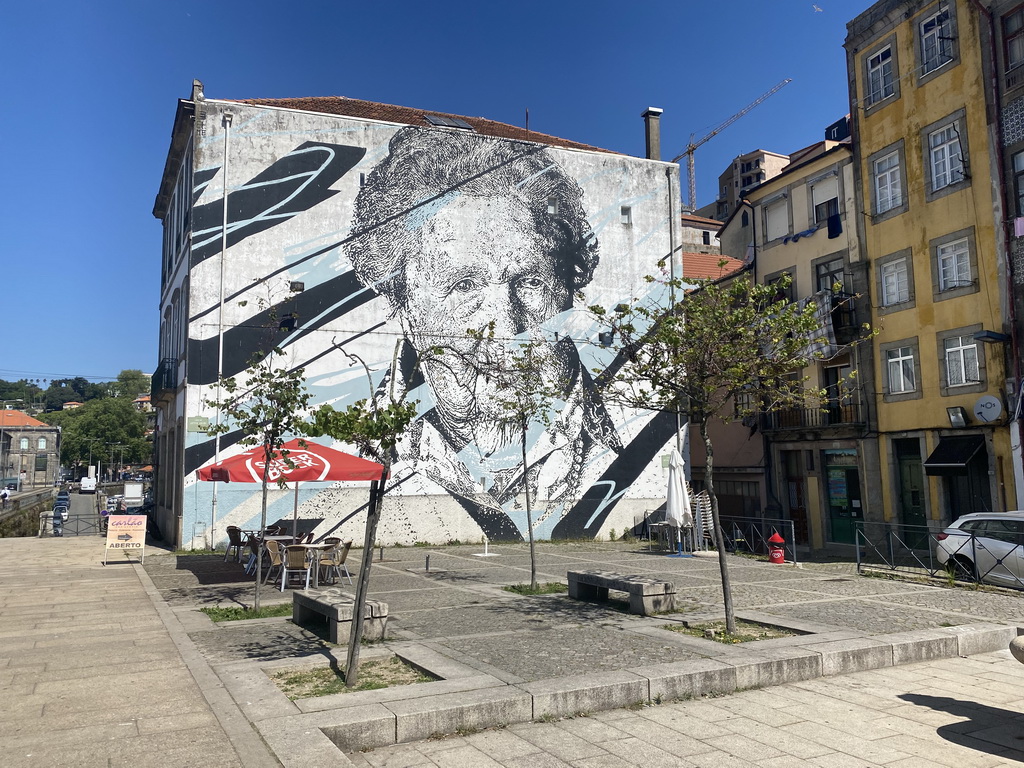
(117, 664)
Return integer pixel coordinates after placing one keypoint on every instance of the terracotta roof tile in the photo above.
(705, 265)
(11, 418)
(689, 217)
(373, 110)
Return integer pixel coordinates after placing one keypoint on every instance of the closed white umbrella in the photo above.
(678, 512)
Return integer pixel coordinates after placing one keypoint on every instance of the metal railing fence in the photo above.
(913, 549)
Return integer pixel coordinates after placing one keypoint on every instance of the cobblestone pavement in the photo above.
(458, 605)
(962, 713)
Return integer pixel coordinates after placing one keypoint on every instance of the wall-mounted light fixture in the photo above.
(991, 337)
(957, 416)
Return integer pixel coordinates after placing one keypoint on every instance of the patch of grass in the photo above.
(237, 613)
(374, 674)
(746, 631)
(545, 588)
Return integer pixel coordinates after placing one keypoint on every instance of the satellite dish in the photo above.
(988, 409)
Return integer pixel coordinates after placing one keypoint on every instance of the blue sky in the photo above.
(92, 89)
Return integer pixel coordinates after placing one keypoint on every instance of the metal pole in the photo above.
(672, 284)
(220, 315)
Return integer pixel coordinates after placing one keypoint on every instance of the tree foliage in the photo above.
(373, 425)
(724, 350)
(267, 407)
(105, 429)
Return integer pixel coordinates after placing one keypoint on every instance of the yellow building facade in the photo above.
(821, 461)
(924, 177)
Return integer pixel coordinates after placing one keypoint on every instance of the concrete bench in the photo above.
(336, 606)
(646, 595)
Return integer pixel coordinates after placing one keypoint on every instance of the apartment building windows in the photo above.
(879, 71)
(776, 219)
(900, 370)
(936, 39)
(895, 286)
(829, 273)
(954, 265)
(825, 198)
(899, 365)
(945, 157)
(1018, 180)
(888, 188)
(880, 77)
(1013, 41)
(961, 356)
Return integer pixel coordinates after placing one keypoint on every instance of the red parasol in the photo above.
(311, 463)
(314, 462)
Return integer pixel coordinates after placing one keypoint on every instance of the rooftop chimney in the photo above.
(652, 132)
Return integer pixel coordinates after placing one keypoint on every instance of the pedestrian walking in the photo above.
(4, 496)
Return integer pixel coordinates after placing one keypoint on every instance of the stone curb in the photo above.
(387, 722)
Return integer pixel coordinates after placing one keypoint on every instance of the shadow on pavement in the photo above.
(985, 729)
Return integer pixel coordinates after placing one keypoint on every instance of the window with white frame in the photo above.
(888, 193)
(945, 156)
(880, 79)
(899, 364)
(961, 361)
(1013, 38)
(895, 285)
(936, 39)
(954, 263)
(776, 219)
(41, 445)
(825, 198)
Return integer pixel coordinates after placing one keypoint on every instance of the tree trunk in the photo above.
(355, 637)
(267, 452)
(723, 563)
(529, 514)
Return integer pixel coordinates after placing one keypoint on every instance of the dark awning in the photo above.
(952, 455)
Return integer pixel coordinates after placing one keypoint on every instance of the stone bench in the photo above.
(646, 595)
(336, 606)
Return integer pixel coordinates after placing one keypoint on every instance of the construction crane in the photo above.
(692, 146)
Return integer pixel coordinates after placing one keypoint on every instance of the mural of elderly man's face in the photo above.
(481, 264)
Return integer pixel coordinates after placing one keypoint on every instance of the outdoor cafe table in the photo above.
(313, 552)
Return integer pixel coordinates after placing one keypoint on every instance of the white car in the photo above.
(985, 546)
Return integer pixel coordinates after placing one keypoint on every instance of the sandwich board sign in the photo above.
(126, 533)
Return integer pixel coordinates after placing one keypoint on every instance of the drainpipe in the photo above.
(220, 316)
(997, 121)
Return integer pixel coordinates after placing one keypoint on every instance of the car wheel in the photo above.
(962, 568)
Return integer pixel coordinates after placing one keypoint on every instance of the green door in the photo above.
(844, 499)
(912, 513)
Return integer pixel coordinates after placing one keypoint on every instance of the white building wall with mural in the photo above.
(353, 238)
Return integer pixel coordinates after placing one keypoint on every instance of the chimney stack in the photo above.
(652, 132)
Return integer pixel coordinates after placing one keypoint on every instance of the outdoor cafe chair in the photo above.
(296, 560)
(254, 543)
(274, 552)
(234, 542)
(333, 561)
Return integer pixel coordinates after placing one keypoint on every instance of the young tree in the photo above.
(515, 369)
(723, 349)
(267, 408)
(374, 426)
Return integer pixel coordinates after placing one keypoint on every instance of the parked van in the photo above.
(88, 485)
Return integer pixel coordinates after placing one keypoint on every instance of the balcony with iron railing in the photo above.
(165, 380)
(830, 416)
